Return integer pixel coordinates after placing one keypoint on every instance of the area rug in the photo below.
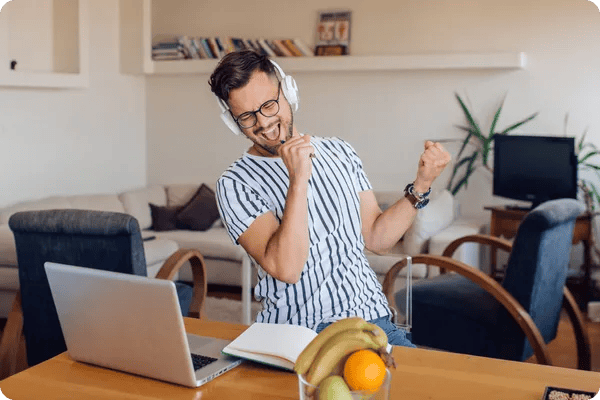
(227, 310)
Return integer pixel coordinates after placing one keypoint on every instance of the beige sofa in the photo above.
(226, 263)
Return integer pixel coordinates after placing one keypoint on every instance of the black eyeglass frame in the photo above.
(253, 113)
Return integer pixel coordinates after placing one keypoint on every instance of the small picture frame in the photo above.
(333, 33)
(332, 50)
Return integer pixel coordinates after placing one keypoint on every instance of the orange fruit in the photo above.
(364, 370)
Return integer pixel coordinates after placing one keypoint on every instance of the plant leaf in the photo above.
(469, 170)
(496, 117)
(588, 155)
(518, 124)
(469, 117)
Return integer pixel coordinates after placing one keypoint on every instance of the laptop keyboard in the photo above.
(201, 361)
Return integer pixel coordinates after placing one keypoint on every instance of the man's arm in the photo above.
(282, 249)
(380, 230)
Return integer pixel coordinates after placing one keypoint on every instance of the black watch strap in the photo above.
(418, 200)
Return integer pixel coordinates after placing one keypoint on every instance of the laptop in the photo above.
(132, 324)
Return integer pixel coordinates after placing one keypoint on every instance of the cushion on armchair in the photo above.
(435, 217)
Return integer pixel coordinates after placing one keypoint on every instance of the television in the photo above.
(534, 168)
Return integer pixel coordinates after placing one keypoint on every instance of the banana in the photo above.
(334, 388)
(337, 348)
(306, 358)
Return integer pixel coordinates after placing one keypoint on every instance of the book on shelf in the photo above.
(282, 49)
(214, 48)
(229, 44)
(221, 46)
(266, 48)
(277, 345)
(252, 44)
(187, 46)
(239, 43)
(275, 49)
(200, 48)
(306, 51)
(207, 48)
(292, 47)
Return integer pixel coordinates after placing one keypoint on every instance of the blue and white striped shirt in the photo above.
(337, 281)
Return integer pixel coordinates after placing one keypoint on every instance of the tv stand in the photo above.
(505, 222)
(517, 208)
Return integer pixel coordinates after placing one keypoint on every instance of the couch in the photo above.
(226, 263)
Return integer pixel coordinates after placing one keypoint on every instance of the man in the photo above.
(302, 207)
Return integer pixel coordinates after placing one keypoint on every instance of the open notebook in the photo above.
(273, 344)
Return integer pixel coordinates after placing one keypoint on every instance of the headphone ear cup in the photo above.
(290, 90)
(228, 120)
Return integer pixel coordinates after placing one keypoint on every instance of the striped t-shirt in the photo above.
(337, 281)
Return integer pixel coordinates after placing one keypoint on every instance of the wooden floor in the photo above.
(563, 350)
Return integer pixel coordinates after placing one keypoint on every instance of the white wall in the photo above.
(386, 116)
(76, 141)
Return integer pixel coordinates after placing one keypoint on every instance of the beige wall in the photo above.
(72, 141)
(388, 115)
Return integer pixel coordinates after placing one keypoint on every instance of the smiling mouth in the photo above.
(269, 132)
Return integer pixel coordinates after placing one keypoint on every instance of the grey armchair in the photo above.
(469, 312)
(93, 239)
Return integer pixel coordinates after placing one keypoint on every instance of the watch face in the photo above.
(422, 204)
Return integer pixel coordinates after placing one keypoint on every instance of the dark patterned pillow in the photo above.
(163, 218)
(200, 212)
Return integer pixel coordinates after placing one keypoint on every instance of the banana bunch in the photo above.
(321, 363)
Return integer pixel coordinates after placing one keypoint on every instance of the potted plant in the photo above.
(586, 152)
(482, 144)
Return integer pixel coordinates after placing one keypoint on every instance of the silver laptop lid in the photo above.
(123, 322)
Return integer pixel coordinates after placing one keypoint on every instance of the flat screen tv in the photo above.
(535, 168)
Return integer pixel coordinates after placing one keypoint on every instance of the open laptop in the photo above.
(133, 324)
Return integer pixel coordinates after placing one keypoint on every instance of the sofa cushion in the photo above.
(200, 212)
(48, 203)
(156, 252)
(163, 218)
(180, 194)
(97, 202)
(213, 243)
(137, 203)
(382, 263)
(8, 252)
(436, 216)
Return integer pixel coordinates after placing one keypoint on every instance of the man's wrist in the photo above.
(421, 187)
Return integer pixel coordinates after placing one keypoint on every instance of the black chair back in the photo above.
(94, 239)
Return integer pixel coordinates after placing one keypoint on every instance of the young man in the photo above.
(302, 207)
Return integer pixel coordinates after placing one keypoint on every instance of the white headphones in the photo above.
(290, 91)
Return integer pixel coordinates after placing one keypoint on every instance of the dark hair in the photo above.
(235, 69)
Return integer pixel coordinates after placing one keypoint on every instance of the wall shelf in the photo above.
(68, 76)
(457, 61)
(136, 45)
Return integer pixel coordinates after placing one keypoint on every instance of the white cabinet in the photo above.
(136, 58)
(44, 44)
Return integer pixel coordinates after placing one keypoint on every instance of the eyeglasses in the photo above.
(269, 108)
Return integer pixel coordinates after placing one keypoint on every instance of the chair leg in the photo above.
(584, 357)
(175, 262)
(12, 345)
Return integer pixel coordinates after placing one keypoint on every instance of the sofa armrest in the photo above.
(468, 253)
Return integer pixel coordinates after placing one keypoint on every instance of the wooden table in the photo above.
(421, 374)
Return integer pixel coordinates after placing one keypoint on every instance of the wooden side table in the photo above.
(505, 222)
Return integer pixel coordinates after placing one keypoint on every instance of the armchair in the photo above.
(509, 320)
(93, 239)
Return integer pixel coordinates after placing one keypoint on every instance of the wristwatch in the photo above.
(418, 200)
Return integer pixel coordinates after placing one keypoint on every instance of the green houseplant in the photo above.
(587, 153)
(482, 144)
